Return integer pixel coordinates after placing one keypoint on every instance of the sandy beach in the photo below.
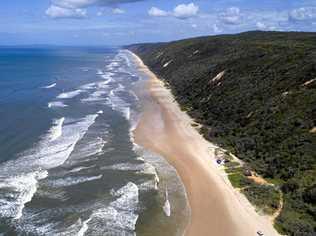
(216, 207)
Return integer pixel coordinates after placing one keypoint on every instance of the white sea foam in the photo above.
(50, 86)
(124, 54)
(121, 214)
(56, 104)
(148, 185)
(55, 154)
(99, 72)
(19, 177)
(143, 168)
(78, 169)
(140, 159)
(56, 130)
(134, 95)
(166, 208)
(18, 191)
(69, 181)
(49, 153)
(118, 218)
(114, 64)
(41, 227)
(85, 69)
(125, 167)
(107, 75)
(88, 86)
(118, 104)
(84, 228)
(70, 94)
(104, 84)
(95, 96)
(90, 148)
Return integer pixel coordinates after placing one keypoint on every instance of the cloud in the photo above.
(154, 11)
(194, 26)
(261, 26)
(118, 11)
(88, 3)
(59, 12)
(231, 16)
(184, 11)
(216, 29)
(73, 3)
(303, 14)
(77, 8)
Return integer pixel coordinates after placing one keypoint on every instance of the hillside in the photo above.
(255, 95)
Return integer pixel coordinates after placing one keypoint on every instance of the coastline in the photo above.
(216, 208)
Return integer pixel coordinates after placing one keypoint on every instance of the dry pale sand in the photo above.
(216, 208)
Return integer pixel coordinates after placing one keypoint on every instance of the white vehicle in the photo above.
(259, 233)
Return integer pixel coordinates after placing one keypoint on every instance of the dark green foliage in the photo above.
(232, 164)
(234, 169)
(309, 195)
(265, 197)
(262, 109)
(238, 180)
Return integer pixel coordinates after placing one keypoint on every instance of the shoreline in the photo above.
(216, 207)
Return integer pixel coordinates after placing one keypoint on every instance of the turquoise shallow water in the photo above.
(68, 164)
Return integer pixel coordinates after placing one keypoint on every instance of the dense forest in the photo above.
(254, 94)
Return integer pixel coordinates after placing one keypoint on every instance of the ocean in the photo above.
(68, 163)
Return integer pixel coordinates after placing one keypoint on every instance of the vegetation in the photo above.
(265, 197)
(255, 95)
(238, 180)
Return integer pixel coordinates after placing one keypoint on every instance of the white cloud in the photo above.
(303, 13)
(184, 11)
(87, 3)
(73, 3)
(231, 16)
(261, 26)
(77, 8)
(118, 11)
(59, 12)
(216, 29)
(154, 11)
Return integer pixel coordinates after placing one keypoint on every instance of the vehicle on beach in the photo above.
(259, 233)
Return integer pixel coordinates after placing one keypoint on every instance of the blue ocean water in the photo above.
(68, 164)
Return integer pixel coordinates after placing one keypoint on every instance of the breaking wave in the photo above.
(70, 94)
(119, 218)
(16, 191)
(56, 104)
(56, 130)
(19, 178)
(118, 104)
(166, 208)
(50, 86)
(69, 181)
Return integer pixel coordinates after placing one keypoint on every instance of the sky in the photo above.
(121, 22)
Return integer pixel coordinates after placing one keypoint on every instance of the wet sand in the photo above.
(216, 207)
